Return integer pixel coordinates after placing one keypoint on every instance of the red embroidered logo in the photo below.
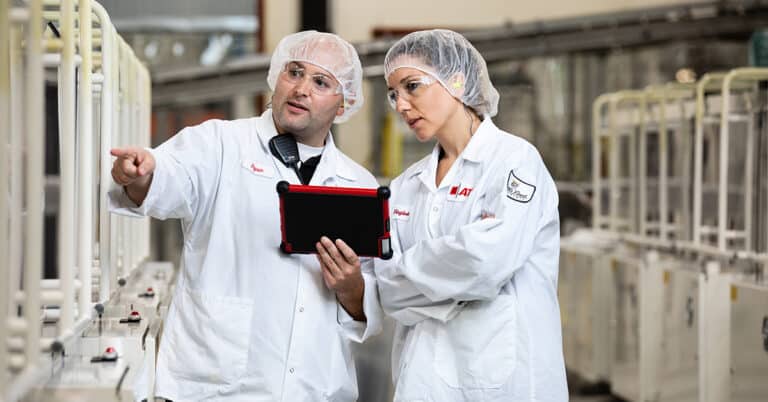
(456, 191)
(399, 212)
(256, 169)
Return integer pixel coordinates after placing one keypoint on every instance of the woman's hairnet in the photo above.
(452, 60)
(329, 52)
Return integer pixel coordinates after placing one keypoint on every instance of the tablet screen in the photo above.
(360, 217)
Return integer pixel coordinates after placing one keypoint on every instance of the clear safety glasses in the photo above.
(408, 89)
(320, 84)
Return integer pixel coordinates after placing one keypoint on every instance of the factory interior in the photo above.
(651, 117)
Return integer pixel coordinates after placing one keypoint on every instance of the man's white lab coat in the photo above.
(248, 323)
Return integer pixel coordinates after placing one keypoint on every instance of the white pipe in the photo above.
(105, 176)
(642, 179)
(698, 152)
(135, 138)
(722, 196)
(632, 173)
(749, 179)
(17, 137)
(114, 133)
(613, 167)
(33, 113)
(66, 247)
(147, 118)
(663, 168)
(5, 132)
(85, 171)
(685, 184)
(53, 284)
(18, 15)
(47, 297)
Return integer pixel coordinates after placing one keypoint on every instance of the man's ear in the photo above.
(344, 104)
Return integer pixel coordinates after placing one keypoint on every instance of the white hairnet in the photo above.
(329, 52)
(452, 60)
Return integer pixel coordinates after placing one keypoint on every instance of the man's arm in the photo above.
(133, 169)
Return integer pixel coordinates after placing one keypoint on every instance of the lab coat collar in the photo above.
(331, 155)
(476, 151)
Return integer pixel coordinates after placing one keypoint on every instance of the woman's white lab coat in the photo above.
(248, 323)
(475, 299)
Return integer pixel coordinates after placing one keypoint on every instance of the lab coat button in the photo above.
(291, 370)
(301, 309)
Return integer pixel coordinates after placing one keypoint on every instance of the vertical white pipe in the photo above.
(114, 134)
(613, 166)
(35, 157)
(5, 132)
(749, 181)
(85, 171)
(15, 150)
(685, 151)
(698, 158)
(597, 128)
(632, 174)
(130, 136)
(66, 236)
(147, 118)
(122, 238)
(642, 178)
(722, 199)
(105, 177)
(663, 168)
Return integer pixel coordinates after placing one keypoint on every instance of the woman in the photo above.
(473, 284)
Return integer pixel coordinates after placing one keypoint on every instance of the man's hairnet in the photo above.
(329, 52)
(452, 60)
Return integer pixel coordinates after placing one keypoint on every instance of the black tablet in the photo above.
(358, 216)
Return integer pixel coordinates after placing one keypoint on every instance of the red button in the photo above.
(110, 350)
(134, 313)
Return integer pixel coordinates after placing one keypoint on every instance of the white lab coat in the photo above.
(475, 300)
(248, 323)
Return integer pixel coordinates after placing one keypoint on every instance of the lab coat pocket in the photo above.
(211, 337)
(477, 348)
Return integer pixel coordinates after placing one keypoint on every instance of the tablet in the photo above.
(358, 216)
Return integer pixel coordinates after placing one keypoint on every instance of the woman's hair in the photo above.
(452, 60)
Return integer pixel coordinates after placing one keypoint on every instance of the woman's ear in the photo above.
(457, 85)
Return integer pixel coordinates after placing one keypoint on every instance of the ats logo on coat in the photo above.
(459, 193)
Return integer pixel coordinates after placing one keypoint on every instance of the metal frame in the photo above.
(110, 74)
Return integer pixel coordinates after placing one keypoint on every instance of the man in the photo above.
(248, 323)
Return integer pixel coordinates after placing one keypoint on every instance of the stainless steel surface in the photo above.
(749, 342)
(678, 374)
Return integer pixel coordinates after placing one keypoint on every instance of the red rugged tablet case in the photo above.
(358, 216)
